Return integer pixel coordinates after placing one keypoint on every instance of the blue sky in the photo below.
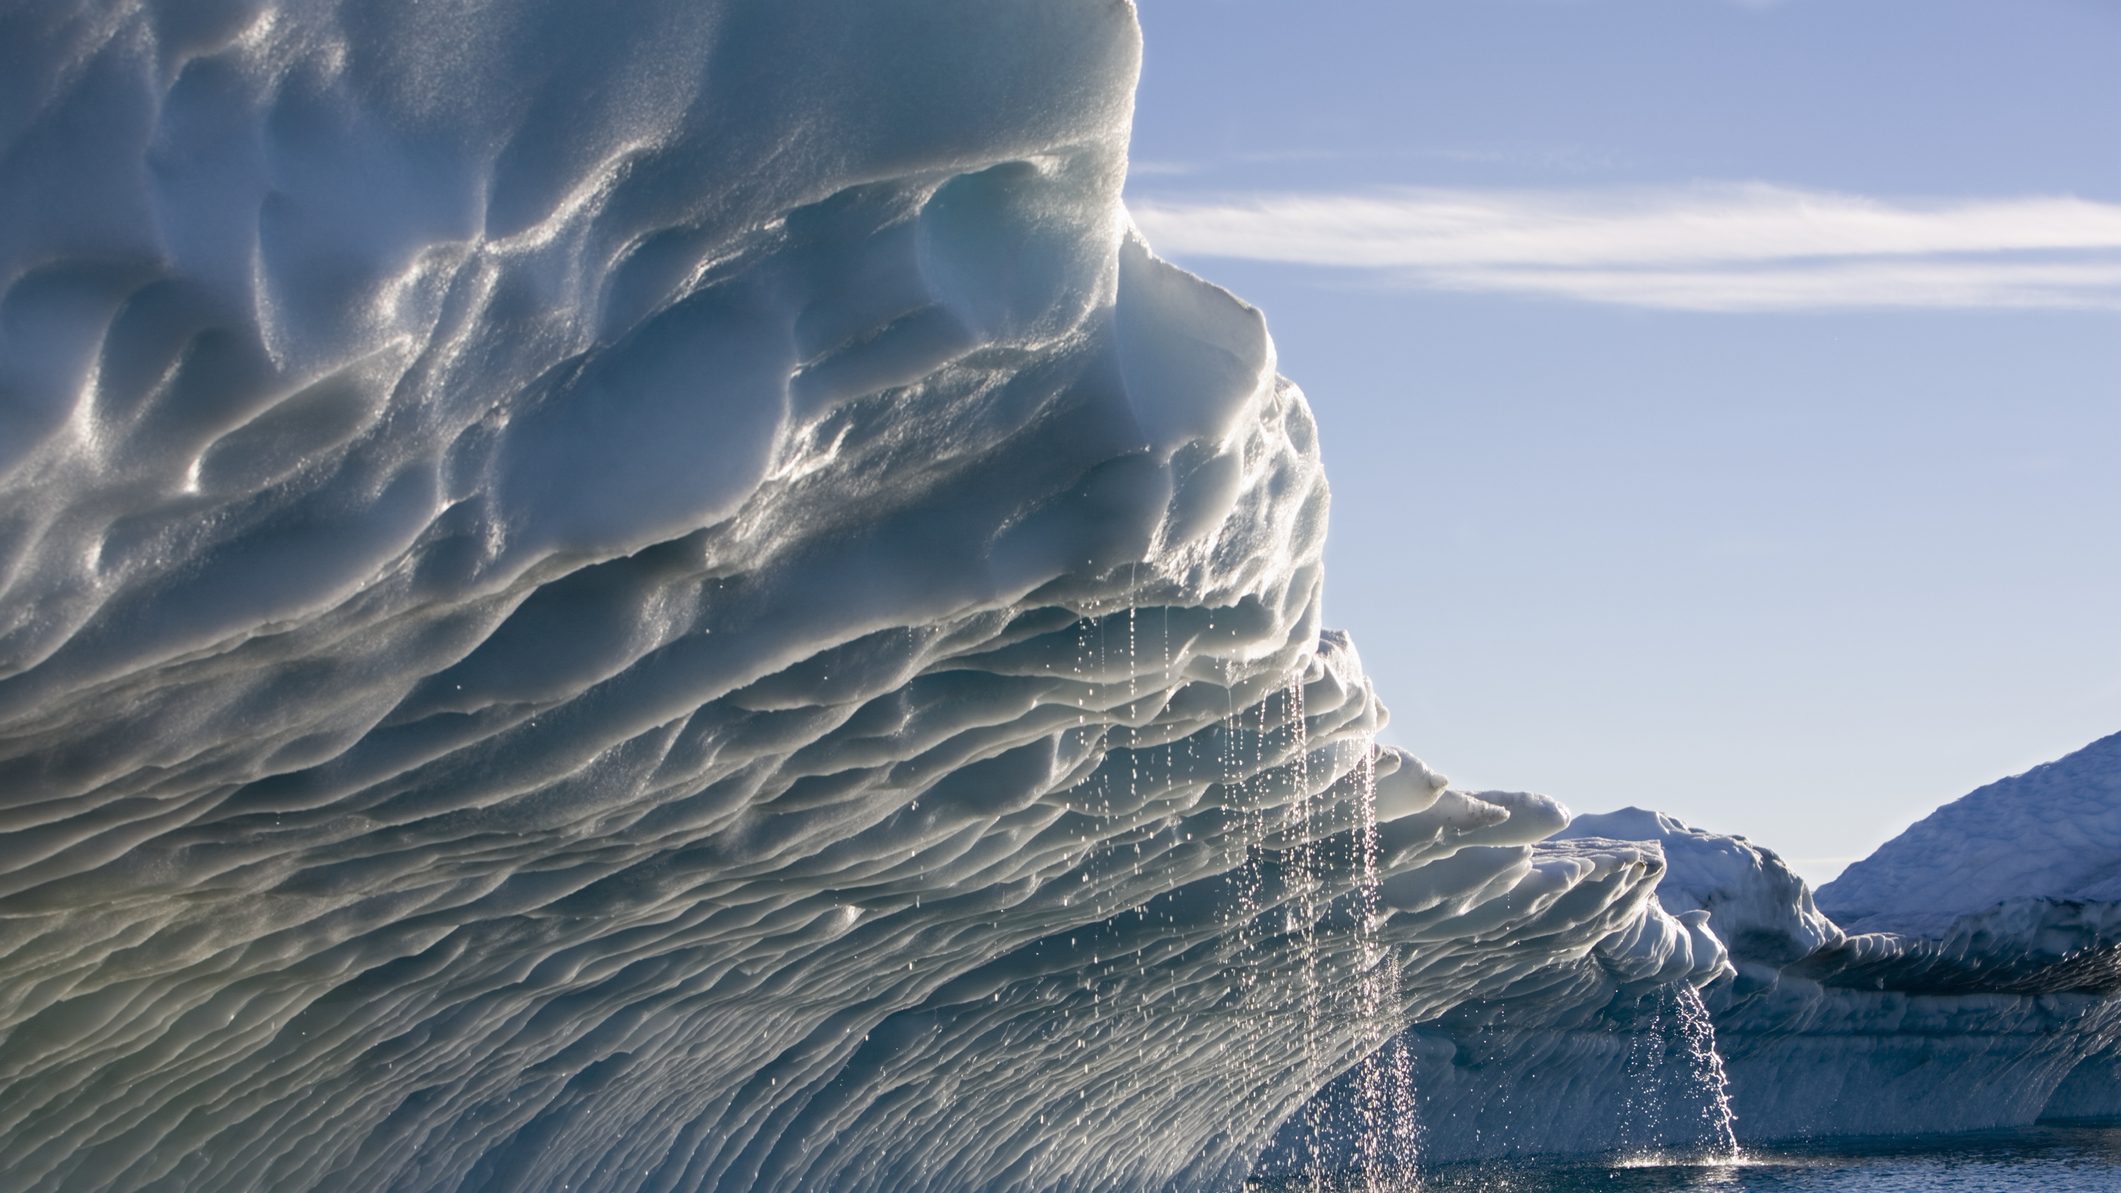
(1722, 400)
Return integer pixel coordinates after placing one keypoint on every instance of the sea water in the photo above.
(2046, 1159)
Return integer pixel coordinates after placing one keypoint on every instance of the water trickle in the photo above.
(1678, 1102)
(1699, 1032)
(1641, 1111)
(1386, 1130)
(1305, 881)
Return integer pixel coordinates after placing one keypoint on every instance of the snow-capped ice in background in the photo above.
(2053, 832)
(666, 598)
(2017, 885)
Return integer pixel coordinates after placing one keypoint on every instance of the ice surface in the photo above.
(668, 598)
(1755, 902)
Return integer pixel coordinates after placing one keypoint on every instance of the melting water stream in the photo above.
(1387, 1134)
(1675, 1074)
(1306, 884)
(1378, 1125)
(1699, 1032)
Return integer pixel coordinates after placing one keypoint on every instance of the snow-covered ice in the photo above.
(2053, 832)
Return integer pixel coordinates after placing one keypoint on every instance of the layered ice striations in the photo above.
(670, 600)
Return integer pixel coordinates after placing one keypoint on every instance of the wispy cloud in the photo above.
(1147, 168)
(1563, 157)
(1713, 248)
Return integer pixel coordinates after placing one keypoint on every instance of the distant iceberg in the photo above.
(2015, 888)
(2052, 833)
(1968, 980)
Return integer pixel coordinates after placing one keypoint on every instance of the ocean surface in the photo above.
(2050, 1159)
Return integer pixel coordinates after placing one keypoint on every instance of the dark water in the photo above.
(2049, 1159)
(2076, 1159)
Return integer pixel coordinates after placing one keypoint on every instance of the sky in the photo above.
(1722, 400)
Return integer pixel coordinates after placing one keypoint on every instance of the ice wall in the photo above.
(665, 597)
(1587, 1051)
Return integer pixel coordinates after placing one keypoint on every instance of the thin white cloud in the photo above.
(1717, 248)
(1973, 284)
(1144, 168)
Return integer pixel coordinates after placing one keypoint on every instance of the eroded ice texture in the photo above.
(663, 597)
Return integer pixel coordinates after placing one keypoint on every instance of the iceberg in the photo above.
(674, 600)
(1963, 977)
(2015, 888)
(2052, 833)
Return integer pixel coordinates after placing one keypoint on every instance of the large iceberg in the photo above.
(670, 599)
(673, 599)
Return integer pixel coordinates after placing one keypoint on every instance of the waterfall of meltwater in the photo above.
(1387, 1131)
(1699, 1031)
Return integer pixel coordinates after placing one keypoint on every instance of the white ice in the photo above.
(2053, 832)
